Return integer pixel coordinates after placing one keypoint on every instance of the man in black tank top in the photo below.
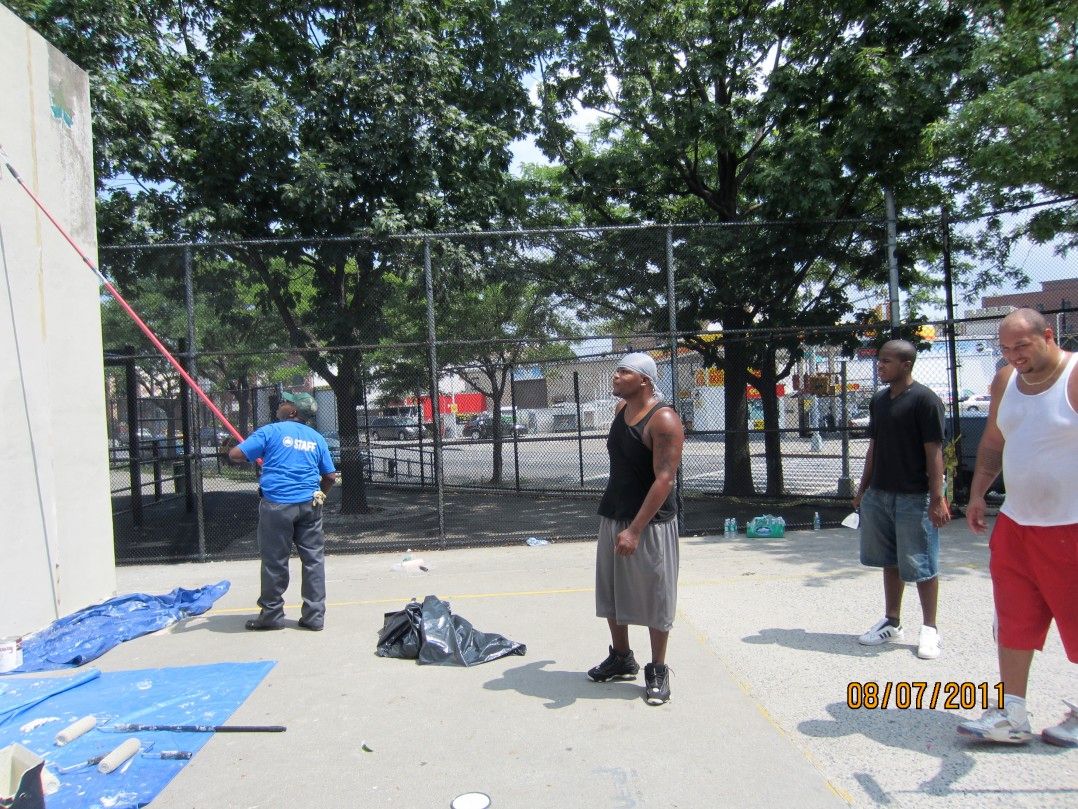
(637, 553)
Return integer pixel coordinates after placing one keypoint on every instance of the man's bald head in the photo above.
(903, 349)
(1024, 320)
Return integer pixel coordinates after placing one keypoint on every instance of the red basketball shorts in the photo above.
(1035, 579)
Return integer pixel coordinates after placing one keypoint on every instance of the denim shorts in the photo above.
(896, 532)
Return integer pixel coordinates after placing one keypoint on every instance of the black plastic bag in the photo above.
(400, 635)
(449, 640)
(430, 634)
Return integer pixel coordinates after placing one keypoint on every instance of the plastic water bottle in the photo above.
(733, 526)
(727, 530)
(815, 521)
(536, 542)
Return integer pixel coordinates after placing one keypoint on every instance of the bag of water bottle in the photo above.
(767, 525)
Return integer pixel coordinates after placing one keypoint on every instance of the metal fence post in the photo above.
(192, 369)
(892, 258)
(579, 426)
(516, 438)
(845, 485)
(671, 305)
(419, 421)
(952, 344)
(432, 357)
(187, 430)
(134, 449)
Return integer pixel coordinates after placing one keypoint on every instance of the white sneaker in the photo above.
(997, 725)
(928, 644)
(881, 632)
(1065, 734)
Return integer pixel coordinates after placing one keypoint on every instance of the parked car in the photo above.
(333, 441)
(976, 404)
(390, 428)
(482, 426)
(859, 423)
(213, 436)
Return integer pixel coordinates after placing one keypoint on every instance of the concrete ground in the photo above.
(763, 652)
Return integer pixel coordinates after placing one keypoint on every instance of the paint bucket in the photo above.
(471, 800)
(10, 653)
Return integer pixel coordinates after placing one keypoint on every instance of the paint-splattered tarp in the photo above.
(85, 635)
(34, 709)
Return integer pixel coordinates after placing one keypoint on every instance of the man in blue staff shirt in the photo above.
(297, 473)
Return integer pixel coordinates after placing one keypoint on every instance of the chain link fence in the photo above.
(463, 380)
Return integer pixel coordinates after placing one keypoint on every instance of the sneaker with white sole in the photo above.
(656, 684)
(928, 644)
(881, 632)
(997, 725)
(617, 666)
(1065, 734)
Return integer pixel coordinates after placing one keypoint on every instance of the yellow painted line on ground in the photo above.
(746, 689)
(520, 593)
(397, 599)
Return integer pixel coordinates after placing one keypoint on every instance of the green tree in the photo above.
(729, 114)
(243, 120)
(489, 319)
(1011, 140)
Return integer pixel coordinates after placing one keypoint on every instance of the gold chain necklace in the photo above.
(1062, 358)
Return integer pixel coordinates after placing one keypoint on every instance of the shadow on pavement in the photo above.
(930, 732)
(826, 642)
(561, 689)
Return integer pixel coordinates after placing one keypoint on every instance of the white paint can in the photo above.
(10, 653)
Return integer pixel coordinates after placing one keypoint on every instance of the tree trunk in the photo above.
(353, 483)
(496, 392)
(242, 394)
(738, 479)
(772, 435)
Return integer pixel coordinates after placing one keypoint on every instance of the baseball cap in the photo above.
(641, 363)
(303, 402)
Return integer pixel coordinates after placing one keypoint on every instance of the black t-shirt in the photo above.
(901, 427)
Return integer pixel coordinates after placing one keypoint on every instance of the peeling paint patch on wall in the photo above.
(64, 90)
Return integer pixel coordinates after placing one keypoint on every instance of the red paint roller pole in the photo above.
(124, 304)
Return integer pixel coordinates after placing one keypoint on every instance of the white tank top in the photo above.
(1040, 453)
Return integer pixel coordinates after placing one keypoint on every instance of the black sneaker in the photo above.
(257, 625)
(656, 684)
(615, 667)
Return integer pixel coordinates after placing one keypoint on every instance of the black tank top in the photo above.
(631, 472)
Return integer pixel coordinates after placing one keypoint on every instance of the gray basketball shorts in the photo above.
(640, 589)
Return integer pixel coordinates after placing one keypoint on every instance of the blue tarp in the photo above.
(34, 709)
(85, 635)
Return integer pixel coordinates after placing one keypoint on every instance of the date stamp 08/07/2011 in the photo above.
(918, 694)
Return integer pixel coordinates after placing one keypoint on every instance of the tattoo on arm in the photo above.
(989, 461)
(667, 454)
(989, 465)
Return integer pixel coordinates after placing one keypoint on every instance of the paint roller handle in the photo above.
(134, 728)
(171, 755)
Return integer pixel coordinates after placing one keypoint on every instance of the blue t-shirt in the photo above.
(294, 458)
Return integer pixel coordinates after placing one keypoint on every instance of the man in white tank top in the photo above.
(1032, 437)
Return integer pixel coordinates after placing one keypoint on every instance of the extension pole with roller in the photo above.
(134, 728)
(123, 303)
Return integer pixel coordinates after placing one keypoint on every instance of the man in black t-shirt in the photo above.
(901, 496)
(636, 557)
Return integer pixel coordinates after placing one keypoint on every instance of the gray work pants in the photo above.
(280, 525)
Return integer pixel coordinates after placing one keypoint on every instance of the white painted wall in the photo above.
(56, 534)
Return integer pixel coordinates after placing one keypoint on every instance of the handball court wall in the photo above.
(56, 546)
